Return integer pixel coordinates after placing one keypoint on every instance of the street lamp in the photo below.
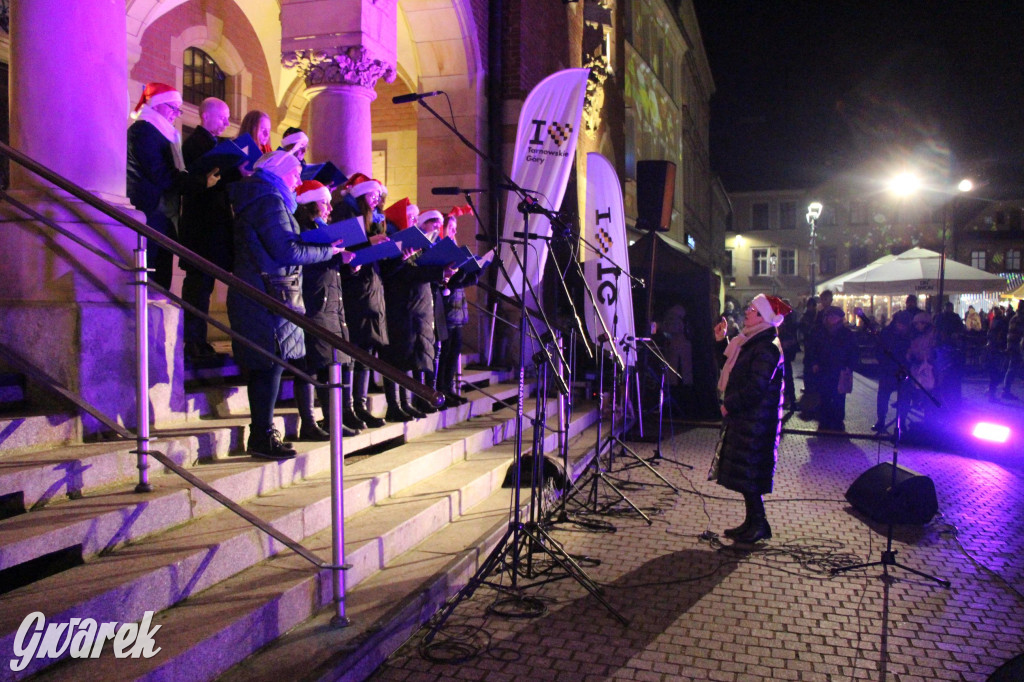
(962, 187)
(813, 213)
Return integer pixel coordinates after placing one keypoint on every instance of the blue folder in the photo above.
(349, 231)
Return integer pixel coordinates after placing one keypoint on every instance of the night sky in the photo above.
(808, 90)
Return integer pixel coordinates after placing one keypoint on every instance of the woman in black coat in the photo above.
(411, 322)
(363, 292)
(750, 385)
(269, 256)
(321, 295)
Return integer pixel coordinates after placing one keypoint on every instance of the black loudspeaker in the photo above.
(910, 500)
(655, 191)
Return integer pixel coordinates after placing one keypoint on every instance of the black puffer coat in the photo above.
(206, 224)
(410, 313)
(753, 400)
(362, 293)
(321, 294)
(266, 241)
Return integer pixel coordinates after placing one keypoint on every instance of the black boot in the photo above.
(395, 412)
(308, 429)
(757, 529)
(268, 445)
(407, 407)
(360, 384)
(747, 516)
(418, 402)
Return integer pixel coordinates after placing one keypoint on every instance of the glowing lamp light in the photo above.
(995, 433)
(904, 184)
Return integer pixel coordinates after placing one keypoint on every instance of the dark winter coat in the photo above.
(321, 294)
(410, 313)
(362, 294)
(455, 307)
(753, 400)
(154, 185)
(266, 241)
(206, 224)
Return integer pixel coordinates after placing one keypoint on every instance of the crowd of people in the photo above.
(251, 223)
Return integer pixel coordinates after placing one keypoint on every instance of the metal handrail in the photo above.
(300, 320)
(142, 451)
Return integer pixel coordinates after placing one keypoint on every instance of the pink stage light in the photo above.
(995, 433)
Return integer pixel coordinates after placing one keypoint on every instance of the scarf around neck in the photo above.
(732, 351)
(170, 133)
(287, 196)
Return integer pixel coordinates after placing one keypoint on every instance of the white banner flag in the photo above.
(545, 149)
(605, 225)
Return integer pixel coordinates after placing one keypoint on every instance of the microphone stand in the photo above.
(666, 367)
(888, 554)
(520, 534)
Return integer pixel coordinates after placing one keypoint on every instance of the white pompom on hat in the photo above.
(428, 215)
(311, 191)
(773, 309)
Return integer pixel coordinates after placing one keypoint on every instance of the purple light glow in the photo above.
(991, 432)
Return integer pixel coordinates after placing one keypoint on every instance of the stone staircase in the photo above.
(423, 505)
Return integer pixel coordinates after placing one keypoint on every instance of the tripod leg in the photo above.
(569, 565)
(640, 460)
(622, 495)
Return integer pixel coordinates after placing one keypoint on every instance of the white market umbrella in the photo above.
(837, 284)
(917, 272)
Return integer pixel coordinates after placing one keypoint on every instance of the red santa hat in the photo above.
(310, 190)
(364, 188)
(398, 213)
(432, 214)
(772, 308)
(157, 93)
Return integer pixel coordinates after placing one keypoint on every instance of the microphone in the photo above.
(868, 322)
(485, 238)
(444, 191)
(414, 96)
(520, 235)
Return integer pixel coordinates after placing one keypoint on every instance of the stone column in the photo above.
(68, 83)
(62, 308)
(340, 88)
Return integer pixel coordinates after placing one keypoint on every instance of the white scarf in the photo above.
(160, 122)
(732, 351)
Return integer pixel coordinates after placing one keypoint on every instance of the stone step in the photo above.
(209, 632)
(67, 471)
(96, 522)
(211, 552)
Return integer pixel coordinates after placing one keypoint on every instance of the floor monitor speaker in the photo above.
(910, 500)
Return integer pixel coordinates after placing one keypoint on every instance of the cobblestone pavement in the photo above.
(702, 610)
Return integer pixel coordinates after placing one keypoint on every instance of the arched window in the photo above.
(201, 77)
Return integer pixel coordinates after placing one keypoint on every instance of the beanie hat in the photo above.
(310, 191)
(297, 138)
(278, 162)
(432, 214)
(157, 93)
(772, 309)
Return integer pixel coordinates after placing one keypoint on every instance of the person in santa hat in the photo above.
(269, 255)
(295, 141)
(362, 290)
(156, 173)
(321, 294)
(750, 386)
